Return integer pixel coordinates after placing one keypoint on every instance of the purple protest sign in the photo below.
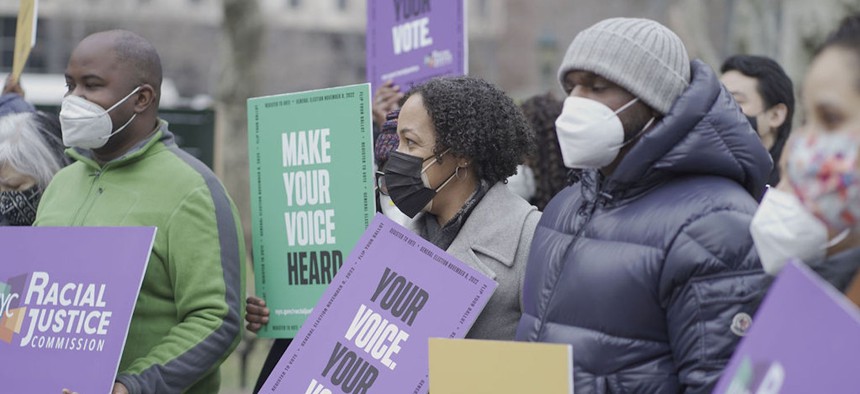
(369, 332)
(804, 339)
(411, 41)
(66, 300)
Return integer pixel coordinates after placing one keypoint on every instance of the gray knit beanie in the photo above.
(640, 55)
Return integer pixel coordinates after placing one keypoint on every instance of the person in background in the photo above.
(386, 143)
(766, 96)
(646, 265)
(550, 174)
(385, 100)
(386, 107)
(128, 171)
(30, 155)
(522, 183)
(814, 213)
(12, 98)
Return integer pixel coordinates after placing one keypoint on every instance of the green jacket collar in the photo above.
(135, 153)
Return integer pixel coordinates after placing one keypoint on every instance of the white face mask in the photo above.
(86, 124)
(783, 229)
(590, 134)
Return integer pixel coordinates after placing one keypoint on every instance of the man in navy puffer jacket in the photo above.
(646, 265)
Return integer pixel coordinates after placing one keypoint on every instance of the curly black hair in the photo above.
(550, 173)
(475, 119)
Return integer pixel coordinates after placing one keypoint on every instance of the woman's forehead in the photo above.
(414, 118)
(832, 75)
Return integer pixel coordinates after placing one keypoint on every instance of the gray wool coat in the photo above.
(495, 240)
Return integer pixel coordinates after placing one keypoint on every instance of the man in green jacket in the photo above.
(129, 172)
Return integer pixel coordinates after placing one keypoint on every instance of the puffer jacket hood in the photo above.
(704, 133)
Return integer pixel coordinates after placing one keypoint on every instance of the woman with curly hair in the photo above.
(460, 138)
(550, 174)
(457, 140)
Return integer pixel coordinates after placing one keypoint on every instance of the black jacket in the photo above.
(646, 272)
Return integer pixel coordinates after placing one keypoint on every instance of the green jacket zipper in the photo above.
(95, 191)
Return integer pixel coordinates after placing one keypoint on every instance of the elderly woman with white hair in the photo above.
(30, 155)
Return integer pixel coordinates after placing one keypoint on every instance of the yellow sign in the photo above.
(499, 367)
(25, 36)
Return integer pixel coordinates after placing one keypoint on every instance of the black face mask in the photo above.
(18, 208)
(405, 184)
(753, 122)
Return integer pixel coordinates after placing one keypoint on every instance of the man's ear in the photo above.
(777, 115)
(145, 98)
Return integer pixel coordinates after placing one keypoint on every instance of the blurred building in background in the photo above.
(320, 43)
(312, 44)
(308, 44)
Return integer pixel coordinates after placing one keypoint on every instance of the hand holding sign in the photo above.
(118, 388)
(312, 197)
(25, 36)
(256, 313)
(385, 100)
(13, 86)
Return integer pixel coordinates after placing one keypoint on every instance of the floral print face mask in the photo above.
(822, 170)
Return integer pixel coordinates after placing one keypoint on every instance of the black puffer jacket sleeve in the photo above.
(710, 282)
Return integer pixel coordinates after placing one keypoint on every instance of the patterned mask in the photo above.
(19, 207)
(822, 170)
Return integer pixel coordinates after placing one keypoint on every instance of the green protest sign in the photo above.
(312, 194)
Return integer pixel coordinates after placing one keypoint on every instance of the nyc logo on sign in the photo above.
(11, 314)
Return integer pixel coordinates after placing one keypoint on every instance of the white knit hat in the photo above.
(640, 55)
